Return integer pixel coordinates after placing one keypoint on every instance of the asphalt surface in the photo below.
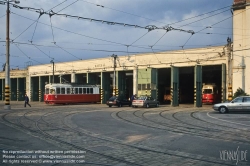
(94, 134)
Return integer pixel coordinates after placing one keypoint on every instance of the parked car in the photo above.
(241, 103)
(116, 101)
(145, 101)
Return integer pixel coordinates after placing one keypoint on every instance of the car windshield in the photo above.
(113, 98)
(142, 98)
(207, 91)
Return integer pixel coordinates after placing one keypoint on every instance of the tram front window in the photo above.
(207, 91)
(52, 91)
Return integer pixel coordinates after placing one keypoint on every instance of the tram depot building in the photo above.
(180, 73)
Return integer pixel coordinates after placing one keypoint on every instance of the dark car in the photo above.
(116, 101)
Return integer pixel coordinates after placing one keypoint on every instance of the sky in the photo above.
(71, 30)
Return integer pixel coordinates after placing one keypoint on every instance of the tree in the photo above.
(239, 92)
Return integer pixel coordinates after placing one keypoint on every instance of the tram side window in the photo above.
(80, 90)
(47, 91)
(87, 90)
(91, 90)
(63, 91)
(72, 90)
(76, 90)
(84, 90)
(58, 90)
(68, 90)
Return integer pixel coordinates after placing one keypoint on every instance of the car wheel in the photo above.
(147, 106)
(110, 105)
(223, 110)
(157, 104)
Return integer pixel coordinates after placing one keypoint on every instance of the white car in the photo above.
(241, 103)
(145, 101)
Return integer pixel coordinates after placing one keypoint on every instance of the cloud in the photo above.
(88, 39)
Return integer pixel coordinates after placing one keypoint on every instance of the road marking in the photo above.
(226, 120)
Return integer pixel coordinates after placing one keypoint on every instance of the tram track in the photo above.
(184, 129)
(224, 126)
(131, 146)
(210, 128)
(46, 135)
(44, 129)
(229, 131)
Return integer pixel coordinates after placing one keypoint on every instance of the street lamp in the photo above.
(53, 70)
(7, 65)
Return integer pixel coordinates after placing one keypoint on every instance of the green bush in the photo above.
(239, 92)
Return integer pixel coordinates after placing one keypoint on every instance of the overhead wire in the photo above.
(57, 5)
(48, 55)
(187, 41)
(159, 38)
(108, 41)
(202, 29)
(36, 21)
(202, 19)
(151, 48)
(153, 19)
(67, 6)
(116, 43)
(222, 20)
(100, 50)
(139, 38)
(148, 27)
(122, 11)
(35, 28)
(3, 16)
(27, 55)
(68, 52)
(155, 44)
(52, 30)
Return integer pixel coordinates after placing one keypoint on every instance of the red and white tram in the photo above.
(210, 94)
(71, 93)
